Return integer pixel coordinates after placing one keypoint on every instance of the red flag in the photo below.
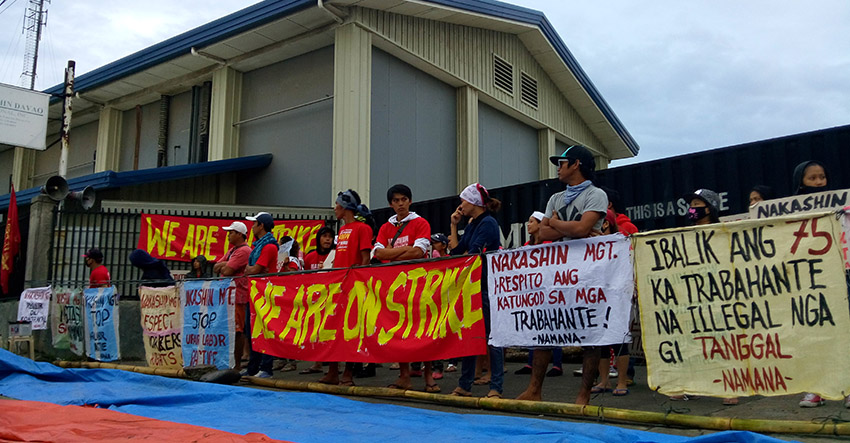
(11, 242)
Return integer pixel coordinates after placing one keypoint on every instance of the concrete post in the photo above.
(225, 107)
(38, 241)
(467, 137)
(352, 123)
(108, 150)
(546, 148)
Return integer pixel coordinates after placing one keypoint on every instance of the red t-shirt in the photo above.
(99, 277)
(268, 258)
(352, 239)
(237, 259)
(414, 230)
(313, 260)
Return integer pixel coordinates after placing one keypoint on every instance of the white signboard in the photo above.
(573, 293)
(34, 307)
(23, 117)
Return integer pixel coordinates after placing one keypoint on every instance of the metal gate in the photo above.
(115, 231)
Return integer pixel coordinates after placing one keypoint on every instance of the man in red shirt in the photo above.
(262, 260)
(352, 249)
(233, 264)
(405, 236)
(324, 245)
(99, 276)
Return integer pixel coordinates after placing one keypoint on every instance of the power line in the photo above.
(7, 7)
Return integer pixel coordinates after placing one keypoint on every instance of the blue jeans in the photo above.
(497, 355)
(258, 361)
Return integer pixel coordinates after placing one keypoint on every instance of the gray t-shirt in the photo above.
(591, 199)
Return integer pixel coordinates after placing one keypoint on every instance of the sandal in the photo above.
(731, 401)
(403, 388)
(347, 383)
(494, 394)
(619, 392)
(451, 368)
(598, 390)
(460, 392)
(310, 371)
(432, 388)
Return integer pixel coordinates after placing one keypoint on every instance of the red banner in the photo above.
(11, 242)
(184, 238)
(414, 312)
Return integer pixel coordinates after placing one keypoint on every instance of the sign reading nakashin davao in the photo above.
(429, 310)
(744, 308)
(23, 117)
(573, 293)
(184, 238)
(161, 326)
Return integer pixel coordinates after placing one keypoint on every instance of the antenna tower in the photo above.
(35, 18)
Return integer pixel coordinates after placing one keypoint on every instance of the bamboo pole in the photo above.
(532, 407)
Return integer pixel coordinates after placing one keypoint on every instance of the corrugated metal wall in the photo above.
(179, 128)
(507, 149)
(467, 54)
(650, 189)
(80, 155)
(148, 139)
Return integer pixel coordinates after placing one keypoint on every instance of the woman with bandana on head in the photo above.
(481, 234)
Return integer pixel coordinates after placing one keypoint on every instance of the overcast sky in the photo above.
(681, 76)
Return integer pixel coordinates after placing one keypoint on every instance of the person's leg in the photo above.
(467, 372)
(266, 363)
(557, 357)
(590, 366)
(238, 346)
(347, 375)
(403, 380)
(534, 391)
(332, 376)
(428, 375)
(497, 372)
(623, 376)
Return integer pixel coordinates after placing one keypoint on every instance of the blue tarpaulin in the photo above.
(300, 417)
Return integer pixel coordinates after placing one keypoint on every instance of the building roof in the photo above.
(259, 26)
(112, 179)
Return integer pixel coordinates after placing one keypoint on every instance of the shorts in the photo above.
(239, 316)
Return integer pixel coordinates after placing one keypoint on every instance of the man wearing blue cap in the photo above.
(570, 214)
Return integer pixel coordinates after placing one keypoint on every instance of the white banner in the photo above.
(34, 307)
(23, 117)
(573, 293)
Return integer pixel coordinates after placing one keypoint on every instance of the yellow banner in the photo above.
(754, 307)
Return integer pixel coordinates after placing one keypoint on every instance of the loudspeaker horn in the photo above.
(56, 188)
(86, 197)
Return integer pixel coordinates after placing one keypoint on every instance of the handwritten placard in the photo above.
(744, 308)
(573, 293)
(66, 323)
(208, 322)
(161, 326)
(34, 307)
(101, 324)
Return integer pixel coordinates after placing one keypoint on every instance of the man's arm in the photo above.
(255, 269)
(364, 257)
(573, 229)
(219, 266)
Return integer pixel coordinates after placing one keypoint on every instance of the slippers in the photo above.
(310, 371)
(328, 382)
(619, 392)
(481, 381)
(432, 388)
(494, 394)
(460, 392)
(436, 375)
(403, 388)
(347, 383)
(732, 401)
(598, 390)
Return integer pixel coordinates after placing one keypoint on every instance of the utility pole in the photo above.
(68, 94)
(35, 18)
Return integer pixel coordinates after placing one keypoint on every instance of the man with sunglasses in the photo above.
(570, 214)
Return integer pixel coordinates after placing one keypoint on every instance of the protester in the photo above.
(354, 243)
(154, 272)
(619, 350)
(200, 268)
(810, 177)
(99, 276)
(287, 255)
(615, 204)
(233, 264)
(533, 228)
(262, 260)
(405, 236)
(572, 213)
(439, 245)
(315, 259)
(480, 235)
(759, 193)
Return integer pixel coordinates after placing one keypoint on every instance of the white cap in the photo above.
(538, 215)
(474, 194)
(238, 227)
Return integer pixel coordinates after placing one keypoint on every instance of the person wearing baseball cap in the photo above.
(570, 214)
(233, 264)
(99, 276)
(262, 260)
